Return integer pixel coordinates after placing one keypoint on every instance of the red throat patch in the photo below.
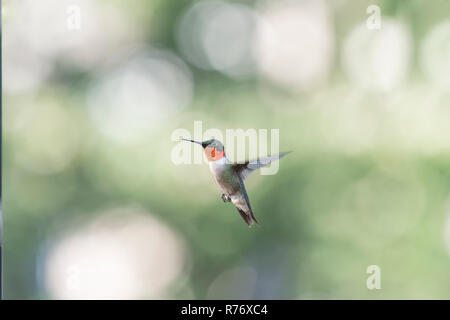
(213, 154)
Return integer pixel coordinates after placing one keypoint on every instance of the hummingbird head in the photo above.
(214, 149)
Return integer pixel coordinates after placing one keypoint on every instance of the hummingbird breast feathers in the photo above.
(231, 184)
(224, 176)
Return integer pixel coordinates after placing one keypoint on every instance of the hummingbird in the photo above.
(230, 176)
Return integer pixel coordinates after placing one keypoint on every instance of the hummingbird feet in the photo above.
(226, 198)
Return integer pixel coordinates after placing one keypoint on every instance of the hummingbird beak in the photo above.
(192, 141)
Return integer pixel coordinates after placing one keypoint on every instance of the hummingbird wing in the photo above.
(244, 169)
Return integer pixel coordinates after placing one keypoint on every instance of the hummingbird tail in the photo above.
(248, 217)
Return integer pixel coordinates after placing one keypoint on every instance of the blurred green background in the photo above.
(93, 206)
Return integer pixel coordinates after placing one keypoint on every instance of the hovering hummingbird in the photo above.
(230, 176)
